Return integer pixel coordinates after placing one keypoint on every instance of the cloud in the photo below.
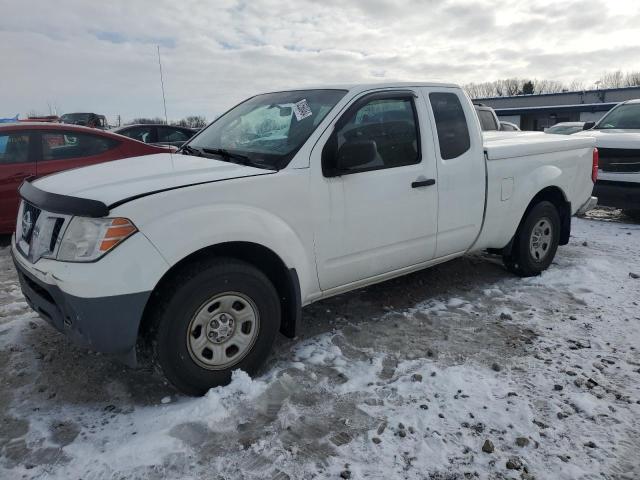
(101, 56)
(117, 37)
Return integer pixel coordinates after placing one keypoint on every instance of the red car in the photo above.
(37, 149)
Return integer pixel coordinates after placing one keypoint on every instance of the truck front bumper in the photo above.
(106, 323)
(625, 195)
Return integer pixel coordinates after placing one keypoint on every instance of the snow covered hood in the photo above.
(613, 138)
(499, 145)
(113, 181)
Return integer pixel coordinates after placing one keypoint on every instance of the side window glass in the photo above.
(389, 127)
(65, 145)
(142, 134)
(166, 134)
(14, 148)
(451, 124)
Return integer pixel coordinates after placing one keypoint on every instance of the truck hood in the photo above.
(117, 180)
(613, 138)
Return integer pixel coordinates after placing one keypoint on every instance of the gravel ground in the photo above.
(460, 371)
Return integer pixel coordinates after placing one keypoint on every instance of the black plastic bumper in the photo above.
(104, 324)
(624, 195)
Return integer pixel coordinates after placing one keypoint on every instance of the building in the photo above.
(537, 112)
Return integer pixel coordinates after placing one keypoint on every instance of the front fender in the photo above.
(180, 233)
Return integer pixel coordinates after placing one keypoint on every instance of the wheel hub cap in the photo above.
(540, 241)
(221, 328)
(223, 331)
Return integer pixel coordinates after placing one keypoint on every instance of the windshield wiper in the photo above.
(232, 157)
(190, 150)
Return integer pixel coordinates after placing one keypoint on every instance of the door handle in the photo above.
(423, 183)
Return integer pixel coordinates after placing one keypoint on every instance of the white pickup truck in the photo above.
(617, 137)
(201, 257)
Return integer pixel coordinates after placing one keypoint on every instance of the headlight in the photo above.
(87, 239)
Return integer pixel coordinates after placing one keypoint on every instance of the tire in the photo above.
(215, 317)
(536, 241)
(633, 214)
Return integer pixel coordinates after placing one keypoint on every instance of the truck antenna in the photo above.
(164, 101)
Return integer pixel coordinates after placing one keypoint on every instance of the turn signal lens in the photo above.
(594, 166)
(121, 228)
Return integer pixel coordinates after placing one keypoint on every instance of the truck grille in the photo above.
(38, 232)
(619, 160)
(28, 220)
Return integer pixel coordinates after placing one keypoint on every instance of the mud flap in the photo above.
(291, 306)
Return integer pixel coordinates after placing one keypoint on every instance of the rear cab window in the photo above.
(451, 124)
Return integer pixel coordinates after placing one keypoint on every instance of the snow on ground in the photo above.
(407, 379)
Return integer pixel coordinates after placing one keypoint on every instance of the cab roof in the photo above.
(363, 87)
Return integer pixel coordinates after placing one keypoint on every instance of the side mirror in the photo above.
(588, 125)
(355, 154)
(350, 155)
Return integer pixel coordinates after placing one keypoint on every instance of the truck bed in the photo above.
(501, 145)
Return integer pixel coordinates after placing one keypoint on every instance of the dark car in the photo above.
(85, 119)
(157, 134)
(37, 149)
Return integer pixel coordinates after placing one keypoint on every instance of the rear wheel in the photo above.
(217, 317)
(536, 241)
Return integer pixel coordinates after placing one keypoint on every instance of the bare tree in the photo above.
(147, 121)
(549, 86)
(612, 80)
(576, 86)
(480, 90)
(515, 86)
(632, 79)
(192, 121)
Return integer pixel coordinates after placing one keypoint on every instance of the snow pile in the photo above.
(497, 377)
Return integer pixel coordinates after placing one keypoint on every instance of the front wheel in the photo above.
(536, 241)
(217, 317)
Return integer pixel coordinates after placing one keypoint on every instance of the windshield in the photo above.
(564, 129)
(266, 130)
(625, 116)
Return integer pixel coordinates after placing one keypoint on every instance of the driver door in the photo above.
(379, 216)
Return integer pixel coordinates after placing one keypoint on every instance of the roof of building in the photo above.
(594, 91)
(580, 107)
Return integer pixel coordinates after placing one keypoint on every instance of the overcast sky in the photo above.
(95, 56)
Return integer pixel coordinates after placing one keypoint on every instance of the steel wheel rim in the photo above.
(223, 330)
(541, 238)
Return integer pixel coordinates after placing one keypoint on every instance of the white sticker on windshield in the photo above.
(302, 109)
